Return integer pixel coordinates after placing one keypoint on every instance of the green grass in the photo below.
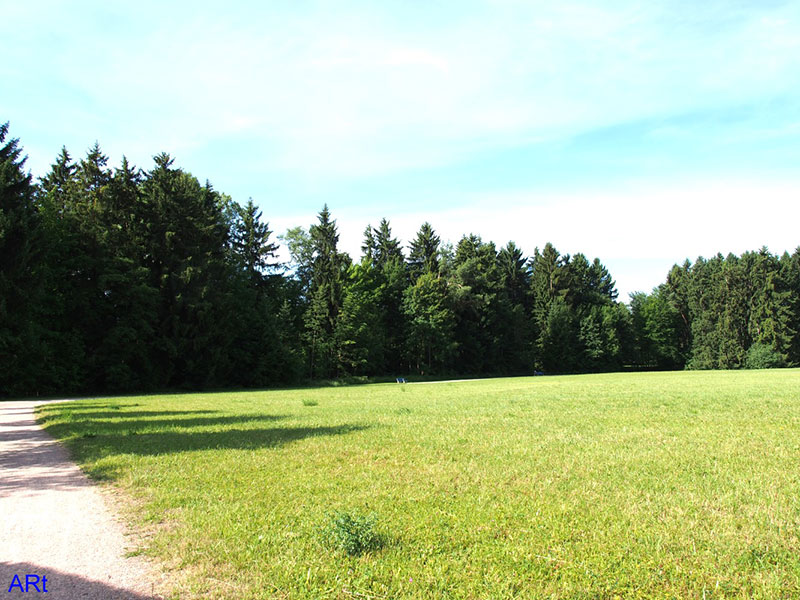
(656, 485)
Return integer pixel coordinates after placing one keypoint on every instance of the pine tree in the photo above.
(69, 275)
(251, 243)
(20, 286)
(186, 241)
(328, 270)
(772, 304)
(424, 253)
(387, 248)
(514, 348)
(124, 360)
(369, 247)
(475, 285)
(360, 331)
(515, 273)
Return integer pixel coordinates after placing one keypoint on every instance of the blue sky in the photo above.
(643, 133)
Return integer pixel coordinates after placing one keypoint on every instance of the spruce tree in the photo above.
(186, 241)
(251, 243)
(424, 252)
(328, 269)
(20, 283)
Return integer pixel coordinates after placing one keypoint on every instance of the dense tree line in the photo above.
(119, 279)
(723, 313)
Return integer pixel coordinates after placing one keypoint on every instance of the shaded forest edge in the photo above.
(116, 280)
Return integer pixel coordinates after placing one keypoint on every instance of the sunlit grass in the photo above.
(657, 485)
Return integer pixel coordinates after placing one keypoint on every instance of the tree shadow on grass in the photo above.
(76, 414)
(171, 442)
(93, 448)
(61, 585)
(133, 426)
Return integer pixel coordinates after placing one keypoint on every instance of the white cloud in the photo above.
(639, 232)
(356, 92)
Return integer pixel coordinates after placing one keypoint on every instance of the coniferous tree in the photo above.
(515, 273)
(258, 347)
(384, 258)
(252, 245)
(328, 269)
(772, 306)
(423, 256)
(657, 325)
(515, 344)
(69, 276)
(118, 280)
(186, 257)
(130, 301)
(547, 283)
(20, 283)
(387, 248)
(475, 287)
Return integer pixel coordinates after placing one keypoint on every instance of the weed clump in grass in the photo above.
(309, 402)
(353, 533)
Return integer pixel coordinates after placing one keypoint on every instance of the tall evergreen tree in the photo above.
(251, 243)
(186, 257)
(328, 270)
(475, 287)
(20, 286)
(130, 300)
(515, 343)
(424, 252)
(387, 248)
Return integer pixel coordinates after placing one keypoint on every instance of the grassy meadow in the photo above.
(653, 485)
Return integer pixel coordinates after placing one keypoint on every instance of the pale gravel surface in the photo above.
(54, 522)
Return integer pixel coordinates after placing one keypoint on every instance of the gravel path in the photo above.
(54, 523)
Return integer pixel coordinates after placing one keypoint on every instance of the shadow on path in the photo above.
(61, 586)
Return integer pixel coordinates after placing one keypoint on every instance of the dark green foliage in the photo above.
(562, 340)
(424, 253)
(708, 315)
(657, 325)
(21, 290)
(430, 325)
(353, 533)
(763, 356)
(326, 294)
(384, 271)
(360, 331)
(185, 241)
(117, 280)
(251, 244)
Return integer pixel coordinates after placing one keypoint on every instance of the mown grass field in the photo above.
(655, 485)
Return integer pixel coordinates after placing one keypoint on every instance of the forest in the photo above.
(117, 279)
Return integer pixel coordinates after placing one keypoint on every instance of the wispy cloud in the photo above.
(638, 230)
(344, 92)
(434, 111)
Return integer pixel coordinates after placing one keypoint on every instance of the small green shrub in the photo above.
(763, 356)
(309, 402)
(353, 533)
